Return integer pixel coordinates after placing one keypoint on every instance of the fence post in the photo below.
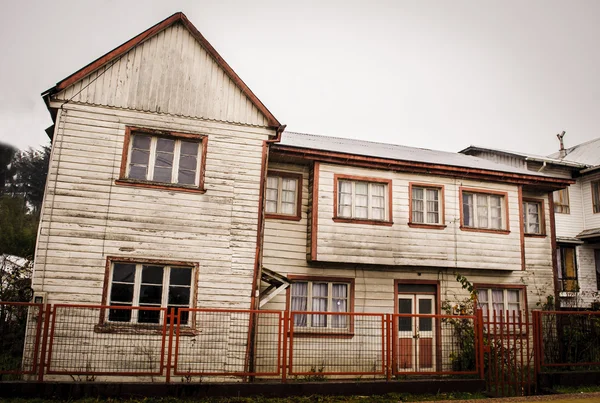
(480, 346)
(388, 346)
(170, 318)
(286, 317)
(44, 342)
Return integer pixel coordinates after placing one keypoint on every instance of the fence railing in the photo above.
(567, 340)
(95, 342)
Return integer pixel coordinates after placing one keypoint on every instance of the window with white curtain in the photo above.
(282, 194)
(483, 210)
(320, 296)
(362, 200)
(425, 205)
(502, 301)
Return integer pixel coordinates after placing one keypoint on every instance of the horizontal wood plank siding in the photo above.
(87, 217)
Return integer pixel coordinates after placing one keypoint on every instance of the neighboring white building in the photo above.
(576, 213)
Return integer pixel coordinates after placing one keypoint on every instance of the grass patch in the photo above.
(392, 397)
(577, 389)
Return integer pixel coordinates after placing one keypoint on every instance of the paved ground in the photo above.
(574, 398)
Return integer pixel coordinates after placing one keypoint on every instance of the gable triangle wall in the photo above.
(168, 73)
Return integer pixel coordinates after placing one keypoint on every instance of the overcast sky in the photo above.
(432, 74)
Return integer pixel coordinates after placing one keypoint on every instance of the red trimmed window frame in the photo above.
(463, 189)
(280, 216)
(104, 326)
(442, 207)
(520, 287)
(125, 181)
(352, 178)
(300, 332)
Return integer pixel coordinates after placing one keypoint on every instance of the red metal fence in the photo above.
(94, 342)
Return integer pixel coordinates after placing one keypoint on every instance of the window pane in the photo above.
(362, 188)
(139, 157)
(180, 276)
(289, 184)
(119, 315)
(498, 302)
(272, 182)
(148, 316)
(164, 160)
(272, 195)
(152, 274)
(124, 272)
(189, 148)
(165, 145)
(138, 172)
(425, 308)
(188, 162)
(151, 294)
(482, 211)
(186, 177)
(468, 209)
(405, 306)
(378, 190)
(162, 174)
(141, 142)
(271, 207)
(121, 293)
(179, 296)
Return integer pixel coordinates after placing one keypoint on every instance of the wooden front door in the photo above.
(416, 341)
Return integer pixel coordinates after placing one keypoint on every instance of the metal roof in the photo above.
(396, 152)
(587, 153)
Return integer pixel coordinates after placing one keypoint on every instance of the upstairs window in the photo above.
(561, 201)
(362, 200)
(596, 196)
(426, 205)
(533, 217)
(148, 285)
(485, 211)
(161, 158)
(283, 195)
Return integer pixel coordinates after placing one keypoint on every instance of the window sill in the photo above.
(362, 221)
(282, 217)
(535, 235)
(488, 230)
(322, 335)
(132, 328)
(429, 226)
(159, 185)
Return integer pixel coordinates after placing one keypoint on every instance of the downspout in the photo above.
(252, 323)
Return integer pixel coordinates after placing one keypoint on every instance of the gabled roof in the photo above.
(150, 32)
(524, 156)
(392, 155)
(587, 153)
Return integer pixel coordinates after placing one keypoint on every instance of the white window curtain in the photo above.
(468, 210)
(272, 191)
(361, 203)
(498, 302)
(288, 196)
(482, 301)
(417, 205)
(345, 202)
(378, 200)
(340, 304)
(299, 303)
(319, 304)
(433, 206)
(482, 211)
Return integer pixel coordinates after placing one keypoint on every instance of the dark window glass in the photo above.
(121, 293)
(179, 295)
(416, 288)
(425, 308)
(405, 306)
(119, 315)
(124, 272)
(180, 276)
(148, 316)
(151, 294)
(152, 274)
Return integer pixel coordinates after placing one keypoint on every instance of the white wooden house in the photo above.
(171, 185)
(576, 214)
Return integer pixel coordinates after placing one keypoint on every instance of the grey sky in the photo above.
(432, 74)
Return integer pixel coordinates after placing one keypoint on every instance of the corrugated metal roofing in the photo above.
(396, 152)
(585, 153)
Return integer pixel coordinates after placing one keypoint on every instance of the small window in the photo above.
(533, 217)
(561, 201)
(283, 192)
(596, 196)
(151, 286)
(501, 301)
(426, 205)
(362, 200)
(321, 296)
(163, 158)
(567, 268)
(484, 211)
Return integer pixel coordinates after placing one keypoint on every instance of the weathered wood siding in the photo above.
(169, 73)
(403, 245)
(590, 220)
(87, 217)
